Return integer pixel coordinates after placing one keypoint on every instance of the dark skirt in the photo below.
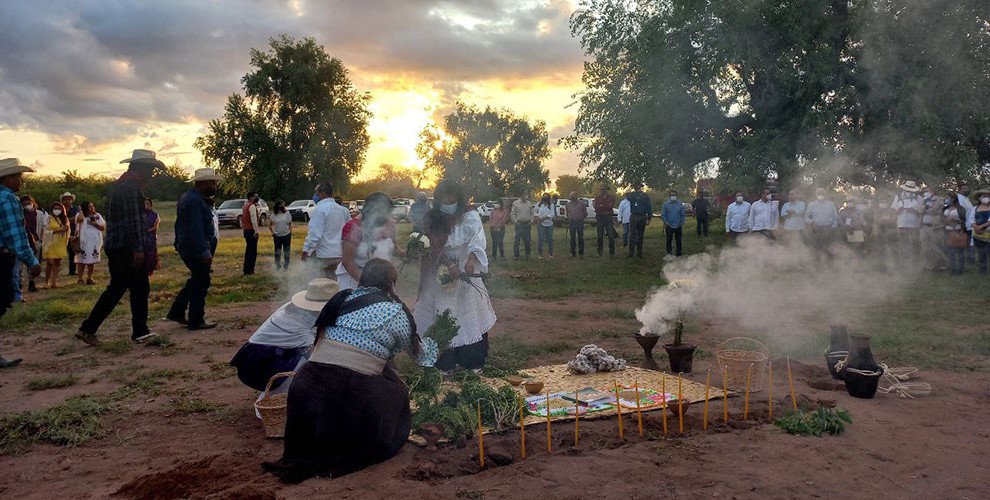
(340, 421)
(257, 363)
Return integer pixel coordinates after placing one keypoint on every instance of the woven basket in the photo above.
(736, 356)
(271, 407)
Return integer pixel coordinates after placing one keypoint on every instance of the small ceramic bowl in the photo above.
(533, 387)
(673, 406)
(514, 379)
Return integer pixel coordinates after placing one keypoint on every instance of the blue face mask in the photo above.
(448, 209)
(316, 198)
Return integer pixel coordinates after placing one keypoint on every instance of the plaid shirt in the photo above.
(13, 237)
(127, 222)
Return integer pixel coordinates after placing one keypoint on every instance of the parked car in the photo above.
(400, 213)
(229, 213)
(301, 209)
(485, 209)
(560, 218)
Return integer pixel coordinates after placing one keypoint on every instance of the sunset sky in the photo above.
(84, 83)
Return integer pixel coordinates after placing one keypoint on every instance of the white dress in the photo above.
(90, 241)
(470, 303)
(367, 250)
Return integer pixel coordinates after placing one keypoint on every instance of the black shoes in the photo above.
(88, 338)
(141, 339)
(206, 325)
(9, 363)
(178, 319)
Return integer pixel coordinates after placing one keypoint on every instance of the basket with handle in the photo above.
(736, 355)
(272, 408)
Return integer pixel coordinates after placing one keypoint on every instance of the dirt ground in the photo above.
(932, 447)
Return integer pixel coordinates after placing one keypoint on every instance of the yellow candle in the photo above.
(708, 384)
(639, 413)
(577, 419)
(618, 409)
(481, 439)
(522, 428)
(680, 405)
(770, 386)
(749, 379)
(663, 389)
(790, 382)
(549, 431)
(725, 396)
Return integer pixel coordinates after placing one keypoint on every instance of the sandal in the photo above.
(90, 282)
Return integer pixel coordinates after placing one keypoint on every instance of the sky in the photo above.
(84, 83)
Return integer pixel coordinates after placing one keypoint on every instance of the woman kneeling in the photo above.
(347, 409)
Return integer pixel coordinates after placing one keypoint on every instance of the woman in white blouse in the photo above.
(544, 230)
(458, 244)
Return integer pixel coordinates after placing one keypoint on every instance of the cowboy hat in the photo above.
(910, 186)
(206, 174)
(317, 294)
(11, 166)
(978, 192)
(68, 195)
(140, 154)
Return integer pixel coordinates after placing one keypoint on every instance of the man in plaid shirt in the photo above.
(124, 245)
(13, 238)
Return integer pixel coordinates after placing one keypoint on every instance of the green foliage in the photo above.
(52, 382)
(860, 92)
(815, 422)
(48, 189)
(299, 121)
(582, 186)
(397, 182)
(443, 330)
(71, 423)
(491, 153)
(457, 410)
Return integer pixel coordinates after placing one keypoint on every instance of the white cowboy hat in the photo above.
(317, 294)
(11, 166)
(68, 195)
(140, 154)
(910, 186)
(206, 174)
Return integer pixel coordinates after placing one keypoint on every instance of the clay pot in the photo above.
(533, 387)
(515, 380)
(838, 349)
(860, 359)
(681, 357)
(432, 432)
(648, 342)
(672, 407)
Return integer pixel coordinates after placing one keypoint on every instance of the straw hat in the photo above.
(978, 192)
(910, 186)
(11, 166)
(317, 294)
(206, 174)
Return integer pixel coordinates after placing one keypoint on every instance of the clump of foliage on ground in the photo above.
(71, 423)
(814, 422)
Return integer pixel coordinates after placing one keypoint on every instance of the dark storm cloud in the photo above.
(106, 70)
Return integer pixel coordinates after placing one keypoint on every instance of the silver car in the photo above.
(230, 213)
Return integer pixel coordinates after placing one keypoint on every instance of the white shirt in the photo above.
(763, 215)
(288, 327)
(545, 213)
(326, 224)
(253, 214)
(281, 224)
(793, 215)
(909, 210)
(737, 217)
(970, 210)
(822, 213)
(624, 212)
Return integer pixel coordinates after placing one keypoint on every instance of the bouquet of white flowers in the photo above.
(417, 248)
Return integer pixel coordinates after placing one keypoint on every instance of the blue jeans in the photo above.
(625, 234)
(283, 245)
(957, 259)
(544, 233)
(576, 230)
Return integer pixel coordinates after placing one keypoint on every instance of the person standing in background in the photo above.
(822, 219)
(763, 215)
(737, 217)
(909, 207)
(418, 211)
(127, 226)
(793, 214)
(964, 201)
(672, 215)
(151, 241)
(700, 206)
(58, 234)
(281, 231)
(14, 245)
(577, 211)
(640, 213)
(496, 222)
(624, 216)
(604, 205)
(544, 219)
(89, 226)
(193, 235)
(931, 230)
(33, 234)
(954, 221)
(250, 224)
(326, 226)
(71, 211)
(853, 224)
(981, 228)
(522, 217)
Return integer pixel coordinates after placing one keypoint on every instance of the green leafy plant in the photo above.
(457, 409)
(814, 422)
(443, 330)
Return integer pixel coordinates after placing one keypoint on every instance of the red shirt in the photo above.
(604, 205)
(498, 217)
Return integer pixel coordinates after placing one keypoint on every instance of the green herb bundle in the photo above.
(815, 422)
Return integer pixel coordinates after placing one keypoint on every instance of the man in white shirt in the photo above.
(909, 207)
(624, 214)
(763, 215)
(822, 218)
(963, 195)
(326, 224)
(737, 217)
(521, 215)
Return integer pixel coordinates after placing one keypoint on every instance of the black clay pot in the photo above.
(838, 349)
(861, 372)
(648, 342)
(681, 357)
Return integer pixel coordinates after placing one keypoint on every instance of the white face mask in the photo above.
(448, 209)
(29, 208)
(57, 212)
(985, 200)
(739, 199)
(673, 197)
(928, 196)
(821, 197)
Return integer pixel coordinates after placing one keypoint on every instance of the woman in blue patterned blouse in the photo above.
(346, 408)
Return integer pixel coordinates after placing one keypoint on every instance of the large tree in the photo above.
(490, 152)
(299, 121)
(831, 89)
